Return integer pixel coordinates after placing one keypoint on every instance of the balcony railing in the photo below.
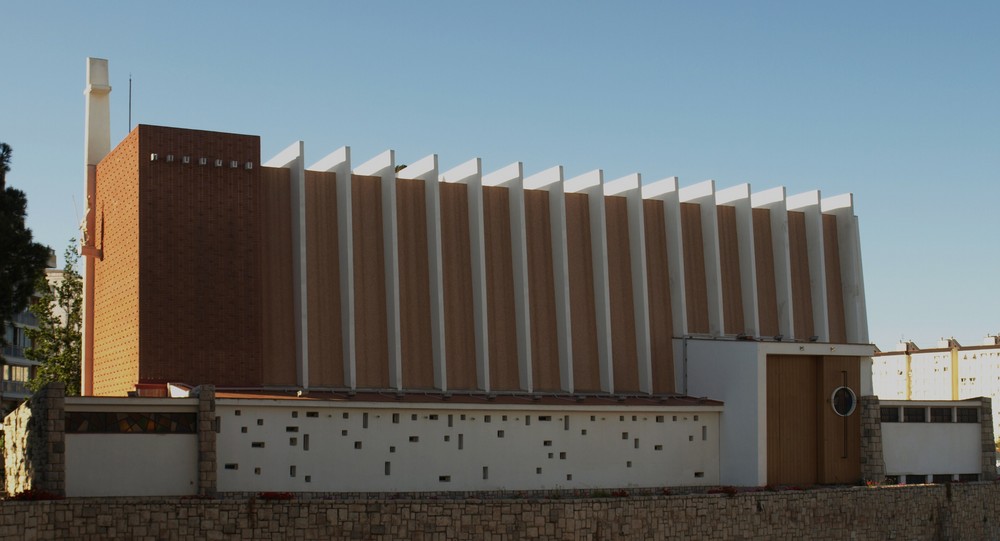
(26, 318)
(13, 351)
(13, 388)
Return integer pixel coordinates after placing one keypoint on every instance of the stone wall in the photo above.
(872, 460)
(34, 445)
(989, 444)
(954, 511)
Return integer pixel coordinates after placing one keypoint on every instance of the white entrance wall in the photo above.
(283, 445)
(735, 372)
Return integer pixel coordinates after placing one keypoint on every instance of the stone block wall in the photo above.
(207, 460)
(34, 443)
(989, 444)
(872, 460)
(953, 511)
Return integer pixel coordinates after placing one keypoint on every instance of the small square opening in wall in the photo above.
(562, 455)
(291, 471)
(566, 423)
(461, 417)
(357, 445)
(593, 418)
(657, 447)
(312, 414)
(695, 417)
(544, 418)
(675, 418)
(583, 432)
(487, 418)
(395, 418)
(628, 464)
(346, 415)
(392, 448)
(503, 418)
(699, 474)
(413, 417)
(238, 413)
(552, 455)
(260, 422)
(486, 472)
(621, 418)
(257, 444)
(232, 466)
(499, 433)
(388, 468)
(309, 479)
(569, 476)
(343, 432)
(243, 429)
(690, 438)
(538, 471)
(433, 417)
(704, 433)
(295, 415)
(414, 439)
(637, 443)
(447, 437)
(624, 435)
(547, 443)
(364, 420)
(256, 471)
(291, 429)
(444, 478)
(293, 441)
(451, 420)
(659, 418)
(634, 418)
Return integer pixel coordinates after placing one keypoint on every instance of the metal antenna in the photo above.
(129, 103)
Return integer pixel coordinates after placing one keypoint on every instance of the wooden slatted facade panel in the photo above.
(661, 321)
(792, 416)
(326, 353)
(729, 260)
(501, 325)
(586, 364)
(541, 292)
(371, 322)
(278, 360)
(414, 286)
(456, 260)
(624, 353)
(802, 327)
(767, 298)
(834, 286)
(695, 281)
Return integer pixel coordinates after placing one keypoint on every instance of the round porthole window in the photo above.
(844, 401)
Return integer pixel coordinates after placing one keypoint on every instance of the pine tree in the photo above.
(56, 343)
(22, 260)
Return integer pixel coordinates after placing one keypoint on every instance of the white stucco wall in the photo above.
(131, 464)
(925, 448)
(441, 447)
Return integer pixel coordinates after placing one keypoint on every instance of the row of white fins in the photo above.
(593, 183)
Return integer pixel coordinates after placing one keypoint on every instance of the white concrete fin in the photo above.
(505, 174)
(836, 202)
(732, 194)
(767, 198)
(284, 159)
(640, 285)
(97, 142)
(375, 166)
(422, 169)
(623, 184)
(581, 183)
(461, 174)
(544, 179)
(739, 197)
(339, 163)
(802, 200)
(654, 190)
(694, 192)
(293, 159)
(332, 161)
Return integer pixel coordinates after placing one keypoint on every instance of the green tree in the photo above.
(56, 343)
(22, 260)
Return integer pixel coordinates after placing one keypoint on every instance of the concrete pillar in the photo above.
(872, 460)
(207, 460)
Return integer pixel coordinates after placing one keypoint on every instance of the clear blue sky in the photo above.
(897, 102)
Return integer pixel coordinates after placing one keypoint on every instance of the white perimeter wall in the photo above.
(931, 448)
(131, 464)
(438, 447)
